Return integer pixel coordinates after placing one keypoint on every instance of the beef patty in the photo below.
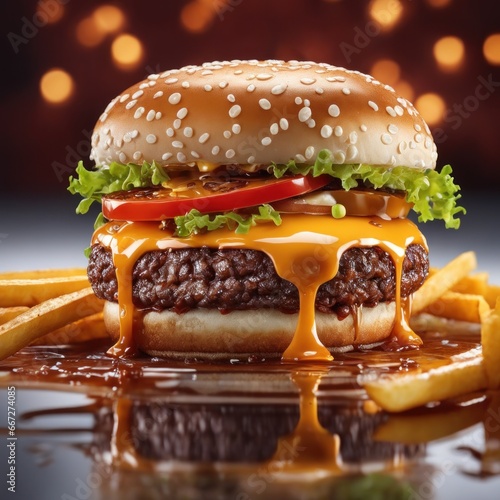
(242, 279)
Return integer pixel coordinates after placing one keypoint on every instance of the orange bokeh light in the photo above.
(108, 18)
(56, 86)
(386, 71)
(385, 12)
(127, 51)
(196, 16)
(432, 107)
(491, 49)
(88, 34)
(449, 52)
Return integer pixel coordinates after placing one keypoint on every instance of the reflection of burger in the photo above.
(240, 193)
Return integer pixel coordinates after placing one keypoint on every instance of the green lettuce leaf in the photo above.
(93, 184)
(434, 194)
(194, 221)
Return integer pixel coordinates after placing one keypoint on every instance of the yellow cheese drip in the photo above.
(304, 249)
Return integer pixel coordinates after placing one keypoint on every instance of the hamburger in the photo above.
(259, 208)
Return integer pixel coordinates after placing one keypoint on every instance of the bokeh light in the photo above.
(432, 107)
(49, 12)
(404, 89)
(197, 16)
(108, 18)
(56, 86)
(385, 12)
(386, 71)
(127, 51)
(439, 3)
(87, 32)
(491, 49)
(449, 52)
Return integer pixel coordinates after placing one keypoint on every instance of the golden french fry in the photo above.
(8, 313)
(490, 339)
(475, 284)
(46, 317)
(459, 306)
(43, 273)
(29, 292)
(442, 280)
(88, 328)
(402, 392)
(491, 294)
(424, 322)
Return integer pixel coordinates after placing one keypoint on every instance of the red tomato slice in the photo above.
(153, 204)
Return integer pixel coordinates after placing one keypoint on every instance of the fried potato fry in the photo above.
(490, 339)
(491, 295)
(46, 317)
(43, 273)
(29, 292)
(401, 392)
(459, 306)
(475, 284)
(8, 313)
(443, 280)
(89, 328)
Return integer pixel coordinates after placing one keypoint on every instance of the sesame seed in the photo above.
(307, 102)
(386, 139)
(174, 98)
(428, 142)
(227, 134)
(274, 129)
(392, 129)
(231, 98)
(238, 72)
(122, 157)
(223, 84)
(251, 159)
(284, 123)
(363, 127)
(204, 138)
(168, 81)
(236, 128)
(300, 158)
(319, 90)
(188, 132)
(346, 91)
(311, 123)
(194, 154)
(399, 110)
(417, 127)
(326, 131)
(103, 117)
(181, 157)
(207, 87)
(304, 114)
(154, 76)
(130, 104)
(151, 138)
(124, 97)
(279, 89)
(215, 150)
(373, 105)
(266, 141)
(390, 110)
(353, 137)
(137, 155)
(170, 132)
(139, 112)
(351, 153)
(309, 152)
(230, 153)
(177, 144)
(235, 111)
(151, 115)
(177, 123)
(166, 156)
(402, 146)
(137, 94)
(118, 143)
(334, 110)
(419, 138)
(182, 113)
(307, 81)
(338, 131)
(158, 94)
(185, 85)
(158, 115)
(251, 87)
(264, 104)
(298, 100)
(264, 76)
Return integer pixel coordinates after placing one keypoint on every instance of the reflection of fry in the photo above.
(429, 424)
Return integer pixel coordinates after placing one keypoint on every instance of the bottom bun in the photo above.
(208, 334)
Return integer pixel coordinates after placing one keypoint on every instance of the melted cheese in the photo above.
(304, 249)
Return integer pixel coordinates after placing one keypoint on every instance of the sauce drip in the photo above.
(305, 251)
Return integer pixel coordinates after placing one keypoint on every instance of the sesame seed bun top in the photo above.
(258, 112)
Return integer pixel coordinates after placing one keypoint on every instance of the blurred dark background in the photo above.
(64, 60)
